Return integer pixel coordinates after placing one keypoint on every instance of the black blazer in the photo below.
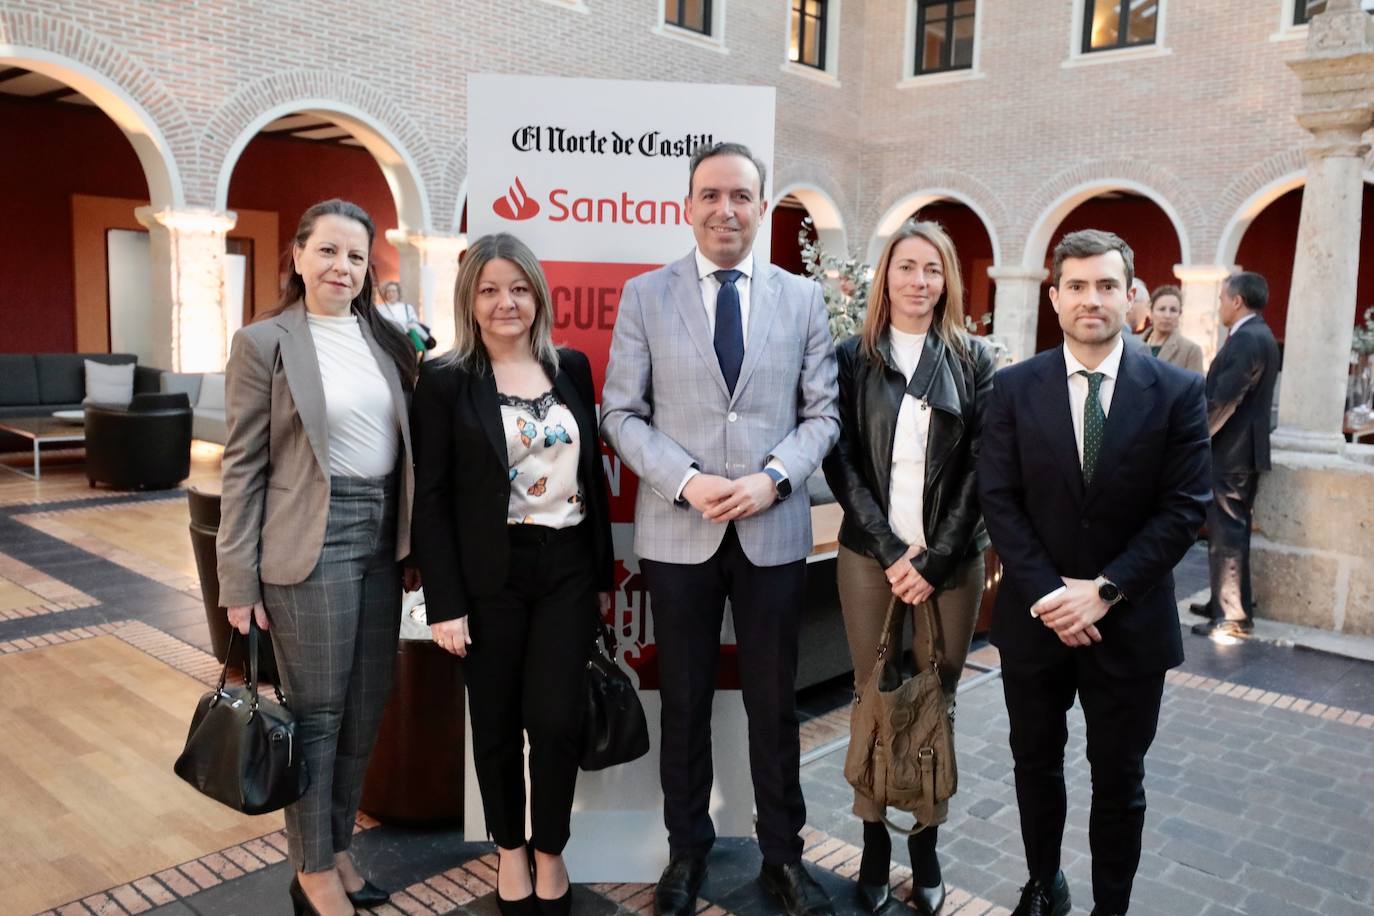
(1240, 395)
(462, 485)
(859, 468)
(1132, 524)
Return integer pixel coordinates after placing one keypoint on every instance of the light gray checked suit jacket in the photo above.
(665, 408)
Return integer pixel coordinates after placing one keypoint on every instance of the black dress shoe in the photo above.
(925, 866)
(559, 906)
(367, 895)
(678, 886)
(1041, 899)
(1225, 629)
(300, 903)
(794, 887)
(873, 897)
(1200, 610)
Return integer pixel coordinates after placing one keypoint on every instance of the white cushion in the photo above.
(109, 385)
(211, 391)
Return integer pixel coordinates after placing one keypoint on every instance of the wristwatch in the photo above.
(1107, 590)
(780, 483)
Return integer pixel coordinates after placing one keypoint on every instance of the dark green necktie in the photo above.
(1094, 420)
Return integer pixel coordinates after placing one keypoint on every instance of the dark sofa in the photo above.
(36, 384)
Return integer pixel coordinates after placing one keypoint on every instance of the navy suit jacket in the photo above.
(1240, 389)
(1133, 523)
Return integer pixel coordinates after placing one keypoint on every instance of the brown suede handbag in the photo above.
(901, 741)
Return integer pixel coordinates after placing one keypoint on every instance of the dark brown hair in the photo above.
(709, 150)
(1168, 289)
(1085, 243)
(387, 335)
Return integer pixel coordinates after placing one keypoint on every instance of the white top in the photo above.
(906, 492)
(400, 313)
(364, 431)
(710, 286)
(542, 447)
(1078, 388)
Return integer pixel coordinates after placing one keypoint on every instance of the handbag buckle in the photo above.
(926, 753)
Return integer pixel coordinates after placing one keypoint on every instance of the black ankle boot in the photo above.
(873, 890)
(927, 884)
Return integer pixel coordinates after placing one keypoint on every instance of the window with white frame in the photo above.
(1109, 25)
(944, 35)
(808, 35)
(693, 15)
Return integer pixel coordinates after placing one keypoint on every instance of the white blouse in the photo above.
(906, 492)
(542, 447)
(364, 431)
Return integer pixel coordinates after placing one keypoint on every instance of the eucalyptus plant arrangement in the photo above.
(844, 283)
(1363, 342)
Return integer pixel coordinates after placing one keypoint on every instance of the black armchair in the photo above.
(144, 447)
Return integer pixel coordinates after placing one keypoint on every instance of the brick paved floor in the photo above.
(1261, 784)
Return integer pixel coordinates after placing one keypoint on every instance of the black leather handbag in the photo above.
(614, 729)
(241, 749)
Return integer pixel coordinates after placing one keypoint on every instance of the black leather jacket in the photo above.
(859, 468)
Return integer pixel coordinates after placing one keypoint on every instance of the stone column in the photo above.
(429, 268)
(1337, 75)
(188, 261)
(1201, 285)
(1016, 307)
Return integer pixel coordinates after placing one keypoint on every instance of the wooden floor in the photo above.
(88, 799)
(64, 475)
(13, 595)
(154, 531)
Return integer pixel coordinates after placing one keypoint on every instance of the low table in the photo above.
(40, 430)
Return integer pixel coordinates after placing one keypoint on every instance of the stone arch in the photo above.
(1056, 198)
(118, 84)
(455, 185)
(824, 212)
(1249, 208)
(934, 186)
(401, 149)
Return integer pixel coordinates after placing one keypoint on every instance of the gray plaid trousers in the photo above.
(335, 640)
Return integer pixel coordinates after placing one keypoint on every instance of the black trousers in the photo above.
(1228, 543)
(524, 674)
(1121, 715)
(688, 602)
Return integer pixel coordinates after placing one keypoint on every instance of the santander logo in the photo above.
(516, 204)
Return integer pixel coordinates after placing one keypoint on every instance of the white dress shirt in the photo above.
(1078, 388)
(1236, 327)
(906, 491)
(710, 286)
(1078, 398)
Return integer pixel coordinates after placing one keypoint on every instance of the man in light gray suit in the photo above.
(721, 396)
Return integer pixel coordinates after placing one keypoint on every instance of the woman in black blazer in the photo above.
(512, 526)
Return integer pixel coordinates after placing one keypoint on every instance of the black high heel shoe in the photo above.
(300, 903)
(925, 899)
(368, 895)
(873, 890)
(525, 906)
(559, 906)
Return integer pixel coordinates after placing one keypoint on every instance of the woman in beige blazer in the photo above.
(1164, 338)
(318, 482)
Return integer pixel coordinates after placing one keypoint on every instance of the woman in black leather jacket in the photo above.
(913, 386)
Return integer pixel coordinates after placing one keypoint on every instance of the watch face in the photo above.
(1108, 592)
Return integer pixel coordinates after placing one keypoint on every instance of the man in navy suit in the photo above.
(1094, 480)
(1240, 400)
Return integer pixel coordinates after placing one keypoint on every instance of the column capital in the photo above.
(1018, 272)
(452, 245)
(191, 220)
(1203, 273)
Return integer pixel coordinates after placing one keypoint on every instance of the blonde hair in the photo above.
(468, 351)
(948, 323)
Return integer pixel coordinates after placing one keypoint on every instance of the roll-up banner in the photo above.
(592, 175)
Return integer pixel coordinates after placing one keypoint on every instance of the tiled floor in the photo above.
(1261, 781)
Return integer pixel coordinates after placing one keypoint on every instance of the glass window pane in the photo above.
(933, 45)
(1106, 17)
(811, 30)
(1144, 17)
(795, 52)
(965, 7)
(963, 42)
(694, 14)
(813, 8)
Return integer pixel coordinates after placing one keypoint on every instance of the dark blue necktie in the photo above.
(729, 337)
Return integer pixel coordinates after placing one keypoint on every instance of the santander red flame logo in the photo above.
(516, 204)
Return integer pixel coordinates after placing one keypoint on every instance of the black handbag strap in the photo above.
(936, 639)
(251, 670)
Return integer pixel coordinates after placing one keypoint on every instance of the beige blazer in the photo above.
(1182, 352)
(276, 460)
